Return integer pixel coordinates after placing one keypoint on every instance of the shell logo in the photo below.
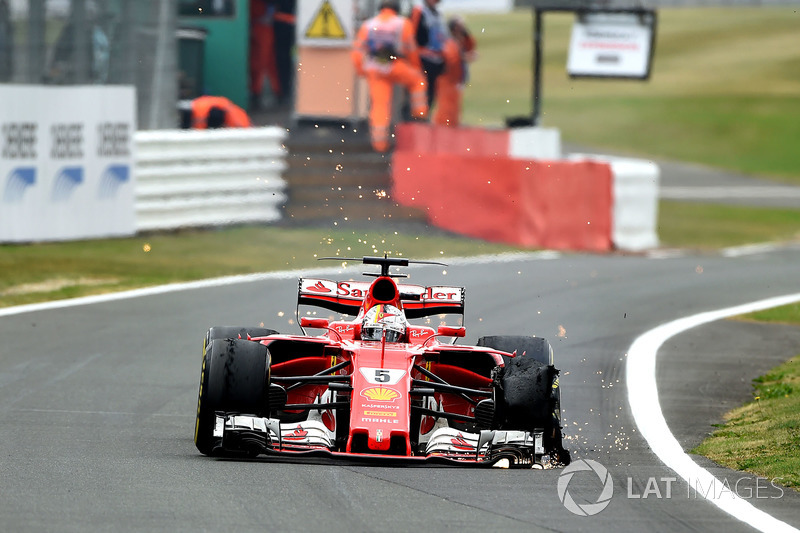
(380, 394)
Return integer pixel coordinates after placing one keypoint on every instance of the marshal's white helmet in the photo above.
(383, 318)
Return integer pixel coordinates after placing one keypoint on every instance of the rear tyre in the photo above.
(234, 379)
(527, 393)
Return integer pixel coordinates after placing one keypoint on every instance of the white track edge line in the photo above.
(250, 278)
(643, 399)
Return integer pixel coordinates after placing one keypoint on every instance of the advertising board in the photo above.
(66, 162)
(612, 45)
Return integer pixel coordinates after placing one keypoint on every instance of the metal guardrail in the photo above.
(194, 178)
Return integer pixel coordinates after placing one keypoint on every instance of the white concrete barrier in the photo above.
(189, 178)
(477, 6)
(534, 143)
(635, 211)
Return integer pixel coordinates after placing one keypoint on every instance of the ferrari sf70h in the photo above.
(376, 386)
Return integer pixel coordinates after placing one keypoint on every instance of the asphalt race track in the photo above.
(97, 406)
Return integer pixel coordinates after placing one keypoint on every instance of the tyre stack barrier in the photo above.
(486, 184)
(195, 178)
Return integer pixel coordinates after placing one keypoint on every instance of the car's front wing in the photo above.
(257, 435)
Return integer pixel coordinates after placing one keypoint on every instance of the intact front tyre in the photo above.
(234, 379)
(206, 404)
(236, 332)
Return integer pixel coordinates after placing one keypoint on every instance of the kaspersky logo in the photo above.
(19, 180)
(380, 394)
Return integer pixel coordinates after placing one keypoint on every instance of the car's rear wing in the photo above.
(346, 297)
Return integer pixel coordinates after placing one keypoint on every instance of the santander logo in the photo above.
(318, 287)
(298, 434)
(461, 443)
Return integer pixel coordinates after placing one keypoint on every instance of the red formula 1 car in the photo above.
(378, 386)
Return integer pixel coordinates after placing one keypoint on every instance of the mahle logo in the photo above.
(585, 509)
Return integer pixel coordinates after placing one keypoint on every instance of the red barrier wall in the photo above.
(540, 204)
(423, 138)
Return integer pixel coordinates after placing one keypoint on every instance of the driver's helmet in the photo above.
(382, 318)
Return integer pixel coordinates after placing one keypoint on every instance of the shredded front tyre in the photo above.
(527, 393)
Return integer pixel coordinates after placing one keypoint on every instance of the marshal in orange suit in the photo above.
(459, 50)
(208, 112)
(385, 53)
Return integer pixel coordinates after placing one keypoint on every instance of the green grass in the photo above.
(763, 436)
(49, 271)
(709, 226)
(46, 271)
(787, 314)
(749, 134)
(723, 91)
